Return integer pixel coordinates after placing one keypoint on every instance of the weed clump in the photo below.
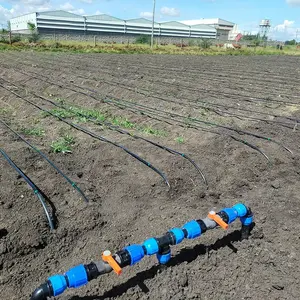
(63, 145)
(33, 131)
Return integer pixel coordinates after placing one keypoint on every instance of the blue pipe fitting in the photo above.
(77, 276)
(193, 229)
(136, 253)
(151, 246)
(58, 283)
(247, 220)
(163, 258)
(231, 213)
(179, 235)
(241, 210)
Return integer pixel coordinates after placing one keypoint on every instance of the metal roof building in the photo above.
(223, 27)
(68, 23)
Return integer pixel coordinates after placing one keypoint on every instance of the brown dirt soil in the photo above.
(128, 201)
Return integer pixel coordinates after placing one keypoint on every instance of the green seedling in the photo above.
(151, 131)
(63, 145)
(33, 131)
(179, 140)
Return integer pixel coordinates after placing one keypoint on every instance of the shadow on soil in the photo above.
(185, 255)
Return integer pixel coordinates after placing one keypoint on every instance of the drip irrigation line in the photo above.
(233, 137)
(239, 131)
(129, 88)
(35, 189)
(218, 112)
(244, 142)
(194, 101)
(98, 137)
(187, 87)
(74, 185)
(192, 119)
(122, 131)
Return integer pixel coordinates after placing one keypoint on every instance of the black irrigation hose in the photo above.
(241, 132)
(217, 93)
(35, 189)
(196, 105)
(74, 185)
(172, 101)
(98, 137)
(195, 120)
(135, 110)
(122, 131)
(88, 95)
(192, 119)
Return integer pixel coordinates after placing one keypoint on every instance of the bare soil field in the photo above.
(235, 117)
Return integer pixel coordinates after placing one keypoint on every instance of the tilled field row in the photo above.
(228, 82)
(242, 148)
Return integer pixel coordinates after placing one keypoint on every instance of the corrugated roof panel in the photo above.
(224, 22)
(59, 13)
(173, 24)
(139, 21)
(104, 17)
(203, 27)
(215, 22)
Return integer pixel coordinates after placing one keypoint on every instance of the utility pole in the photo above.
(153, 20)
(297, 33)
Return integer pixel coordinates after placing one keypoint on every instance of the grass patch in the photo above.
(82, 115)
(88, 47)
(152, 131)
(63, 145)
(179, 140)
(33, 131)
(5, 111)
(123, 122)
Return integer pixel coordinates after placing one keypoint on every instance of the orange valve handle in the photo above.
(107, 257)
(212, 215)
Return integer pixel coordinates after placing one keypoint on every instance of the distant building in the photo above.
(62, 22)
(225, 30)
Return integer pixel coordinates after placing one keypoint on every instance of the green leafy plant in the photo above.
(63, 145)
(16, 38)
(179, 140)
(204, 43)
(33, 131)
(34, 36)
(151, 131)
(122, 122)
(143, 39)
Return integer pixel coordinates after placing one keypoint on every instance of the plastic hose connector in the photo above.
(241, 210)
(247, 220)
(179, 235)
(193, 229)
(58, 283)
(151, 246)
(77, 276)
(136, 253)
(231, 213)
(164, 258)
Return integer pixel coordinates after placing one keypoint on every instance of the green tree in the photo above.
(143, 39)
(34, 36)
(204, 43)
(291, 42)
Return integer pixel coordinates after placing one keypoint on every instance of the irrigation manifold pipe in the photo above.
(130, 255)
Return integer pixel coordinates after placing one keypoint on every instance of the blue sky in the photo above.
(284, 14)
